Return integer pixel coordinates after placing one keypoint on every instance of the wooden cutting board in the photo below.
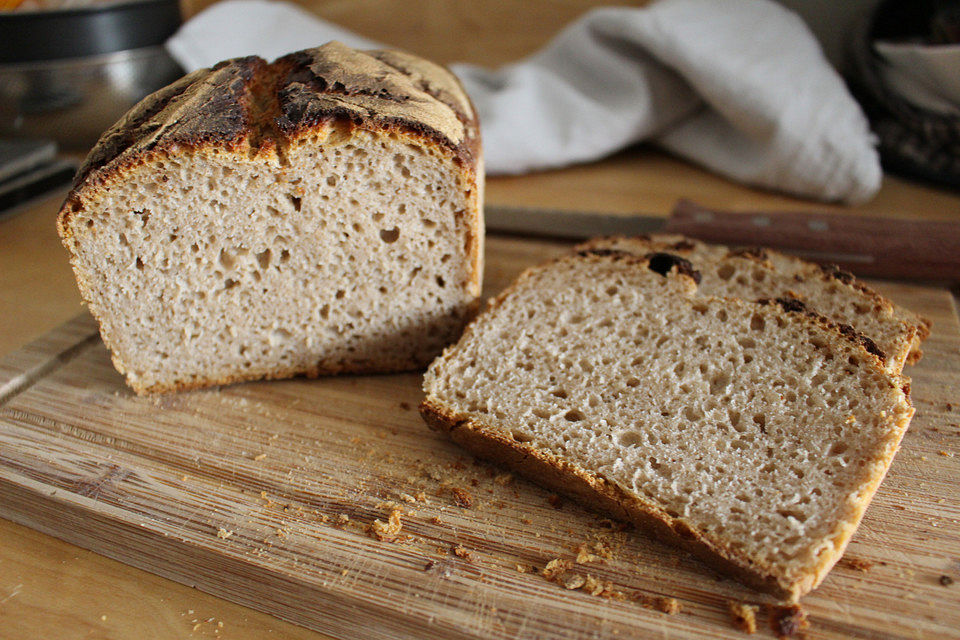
(265, 494)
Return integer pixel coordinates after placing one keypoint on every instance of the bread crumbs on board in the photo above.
(462, 552)
(224, 533)
(857, 564)
(387, 531)
(788, 621)
(462, 498)
(743, 616)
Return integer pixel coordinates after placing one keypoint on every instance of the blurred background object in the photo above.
(68, 74)
(906, 75)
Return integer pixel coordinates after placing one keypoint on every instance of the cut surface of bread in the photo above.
(754, 274)
(320, 214)
(751, 434)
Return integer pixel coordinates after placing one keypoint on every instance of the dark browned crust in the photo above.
(793, 305)
(835, 272)
(664, 263)
(307, 77)
(249, 102)
(595, 492)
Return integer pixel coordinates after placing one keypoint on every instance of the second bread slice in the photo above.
(752, 434)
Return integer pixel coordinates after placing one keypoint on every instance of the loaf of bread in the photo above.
(318, 214)
(753, 434)
(755, 273)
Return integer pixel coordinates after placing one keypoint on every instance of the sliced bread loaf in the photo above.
(319, 214)
(753, 434)
(754, 274)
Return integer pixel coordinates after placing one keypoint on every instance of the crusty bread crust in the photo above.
(596, 492)
(252, 110)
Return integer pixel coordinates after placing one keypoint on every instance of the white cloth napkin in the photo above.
(738, 86)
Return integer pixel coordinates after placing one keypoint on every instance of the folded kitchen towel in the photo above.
(738, 86)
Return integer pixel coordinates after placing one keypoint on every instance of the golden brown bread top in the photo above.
(248, 105)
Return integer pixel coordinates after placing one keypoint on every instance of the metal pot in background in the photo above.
(68, 75)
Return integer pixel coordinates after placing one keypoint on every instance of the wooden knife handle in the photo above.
(879, 247)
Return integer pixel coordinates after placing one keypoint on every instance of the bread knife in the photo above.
(866, 246)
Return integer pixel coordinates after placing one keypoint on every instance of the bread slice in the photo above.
(752, 434)
(320, 214)
(754, 274)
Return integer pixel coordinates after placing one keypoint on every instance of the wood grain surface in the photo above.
(242, 491)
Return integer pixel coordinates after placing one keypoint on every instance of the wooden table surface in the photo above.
(50, 589)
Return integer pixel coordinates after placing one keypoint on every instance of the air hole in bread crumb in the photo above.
(390, 235)
(441, 282)
(340, 293)
(325, 311)
(747, 343)
(284, 255)
(759, 275)
(139, 264)
(692, 413)
(633, 382)
(263, 258)
(332, 180)
(543, 414)
(630, 438)
(761, 421)
(722, 315)
(560, 393)
(725, 272)
(520, 436)
(757, 323)
(574, 415)
(838, 448)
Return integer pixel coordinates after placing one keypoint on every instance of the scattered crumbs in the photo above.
(220, 624)
(669, 606)
(945, 453)
(342, 520)
(196, 627)
(555, 568)
(461, 498)
(743, 616)
(851, 419)
(259, 457)
(787, 622)
(387, 531)
(524, 568)
(555, 501)
(946, 581)
(503, 479)
(462, 552)
(421, 496)
(223, 533)
(573, 581)
(406, 497)
(949, 407)
(430, 565)
(526, 520)
(344, 572)
(436, 520)
(857, 564)
(923, 458)
(184, 478)
(883, 414)
(103, 618)
(405, 406)
(584, 555)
